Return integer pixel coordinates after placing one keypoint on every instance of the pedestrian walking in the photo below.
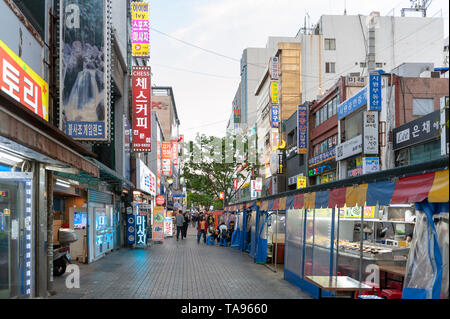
(222, 232)
(179, 220)
(202, 227)
(185, 224)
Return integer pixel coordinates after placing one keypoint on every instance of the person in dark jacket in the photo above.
(185, 224)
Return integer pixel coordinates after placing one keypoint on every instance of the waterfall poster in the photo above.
(84, 74)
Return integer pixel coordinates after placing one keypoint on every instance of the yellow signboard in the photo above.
(141, 49)
(21, 83)
(301, 182)
(275, 92)
(139, 11)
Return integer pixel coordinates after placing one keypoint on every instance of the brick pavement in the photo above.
(178, 270)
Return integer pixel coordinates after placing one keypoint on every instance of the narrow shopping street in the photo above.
(178, 270)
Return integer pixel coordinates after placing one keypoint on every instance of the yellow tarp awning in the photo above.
(356, 195)
(439, 190)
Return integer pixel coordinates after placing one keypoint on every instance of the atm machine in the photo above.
(78, 222)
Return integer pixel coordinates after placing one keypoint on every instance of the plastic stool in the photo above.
(394, 293)
(223, 242)
(210, 241)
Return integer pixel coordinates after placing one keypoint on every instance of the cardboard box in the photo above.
(56, 226)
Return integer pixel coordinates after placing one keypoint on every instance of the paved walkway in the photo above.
(175, 270)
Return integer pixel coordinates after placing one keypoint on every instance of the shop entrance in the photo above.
(15, 235)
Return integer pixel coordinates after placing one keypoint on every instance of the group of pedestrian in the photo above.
(182, 221)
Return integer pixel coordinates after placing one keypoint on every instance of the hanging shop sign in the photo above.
(374, 99)
(370, 127)
(258, 184)
(302, 125)
(370, 165)
(418, 131)
(21, 83)
(322, 157)
(145, 179)
(352, 104)
(221, 195)
(355, 81)
(160, 200)
(235, 183)
(275, 115)
(141, 230)
(253, 191)
(85, 71)
(166, 157)
(131, 231)
(141, 109)
(168, 226)
(280, 155)
(274, 68)
(158, 224)
(444, 126)
(301, 182)
(140, 26)
(274, 92)
(349, 148)
(175, 152)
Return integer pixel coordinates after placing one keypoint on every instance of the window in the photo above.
(353, 125)
(330, 67)
(330, 109)
(379, 65)
(34, 11)
(335, 104)
(316, 149)
(324, 110)
(320, 116)
(290, 138)
(422, 106)
(301, 160)
(267, 138)
(362, 64)
(317, 115)
(330, 44)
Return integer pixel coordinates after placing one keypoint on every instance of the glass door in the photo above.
(15, 235)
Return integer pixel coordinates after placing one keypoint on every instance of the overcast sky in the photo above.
(204, 84)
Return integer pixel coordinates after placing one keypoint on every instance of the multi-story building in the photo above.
(342, 44)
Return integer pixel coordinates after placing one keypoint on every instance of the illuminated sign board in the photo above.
(141, 230)
(302, 126)
(141, 109)
(140, 25)
(275, 92)
(275, 115)
(301, 182)
(21, 83)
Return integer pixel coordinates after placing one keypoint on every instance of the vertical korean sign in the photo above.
(85, 76)
(141, 229)
(140, 26)
(21, 83)
(302, 125)
(141, 109)
(374, 98)
(158, 223)
(166, 157)
(175, 152)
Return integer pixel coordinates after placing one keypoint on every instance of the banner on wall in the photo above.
(166, 158)
(21, 83)
(302, 125)
(141, 109)
(158, 223)
(85, 72)
(140, 28)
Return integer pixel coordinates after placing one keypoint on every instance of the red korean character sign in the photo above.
(21, 83)
(141, 109)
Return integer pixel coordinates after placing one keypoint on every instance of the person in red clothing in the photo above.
(202, 228)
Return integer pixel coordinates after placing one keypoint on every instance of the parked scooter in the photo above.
(61, 254)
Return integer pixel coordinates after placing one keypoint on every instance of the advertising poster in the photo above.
(166, 158)
(140, 29)
(370, 165)
(85, 69)
(168, 226)
(21, 83)
(141, 109)
(302, 125)
(158, 224)
(301, 182)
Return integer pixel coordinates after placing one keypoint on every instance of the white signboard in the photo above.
(258, 184)
(168, 224)
(371, 165)
(371, 132)
(349, 148)
(145, 179)
(444, 128)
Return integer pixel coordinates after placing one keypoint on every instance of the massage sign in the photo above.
(141, 109)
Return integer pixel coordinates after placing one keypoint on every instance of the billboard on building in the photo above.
(274, 92)
(21, 83)
(85, 75)
(140, 29)
(141, 109)
(302, 126)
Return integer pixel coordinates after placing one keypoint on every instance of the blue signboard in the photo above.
(275, 116)
(352, 104)
(331, 153)
(302, 125)
(94, 130)
(375, 92)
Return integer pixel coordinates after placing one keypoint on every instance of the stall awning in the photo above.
(356, 195)
(282, 204)
(310, 199)
(380, 192)
(299, 201)
(337, 197)
(111, 176)
(276, 204)
(412, 189)
(290, 202)
(439, 189)
(322, 199)
(264, 205)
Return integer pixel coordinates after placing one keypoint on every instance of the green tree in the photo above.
(210, 166)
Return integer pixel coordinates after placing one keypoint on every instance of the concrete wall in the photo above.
(20, 40)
